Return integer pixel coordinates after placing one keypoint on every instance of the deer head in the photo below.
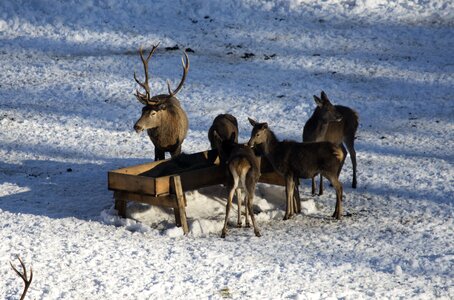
(327, 112)
(260, 137)
(224, 146)
(156, 106)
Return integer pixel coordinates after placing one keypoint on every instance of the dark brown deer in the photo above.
(224, 125)
(336, 124)
(243, 169)
(163, 117)
(299, 160)
(224, 128)
(27, 280)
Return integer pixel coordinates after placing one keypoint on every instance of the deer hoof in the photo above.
(257, 233)
(223, 234)
(239, 225)
(337, 215)
(248, 225)
(354, 184)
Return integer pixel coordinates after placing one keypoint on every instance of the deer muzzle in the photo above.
(138, 128)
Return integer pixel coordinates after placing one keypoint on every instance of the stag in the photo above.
(27, 280)
(299, 160)
(224, 125)
(162, 116)
(336, 124)
(243, 169)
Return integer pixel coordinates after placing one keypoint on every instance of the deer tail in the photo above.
(338, 153)
(239, 168)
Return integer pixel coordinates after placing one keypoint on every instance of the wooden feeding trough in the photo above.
(163, 183)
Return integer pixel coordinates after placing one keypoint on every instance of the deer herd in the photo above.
(327, 136)
(322, 151)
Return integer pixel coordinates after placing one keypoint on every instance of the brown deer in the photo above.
(299, 160)
(243, 169)
(27, 280)
(336, 124)
(224, 125)
(162, 116)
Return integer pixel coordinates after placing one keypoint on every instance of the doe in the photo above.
(336, 124)
(243, 169)
(299, 160)
(224, 125)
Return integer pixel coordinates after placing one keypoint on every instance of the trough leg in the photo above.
(120, 205)
(181, 210)
(176, 212)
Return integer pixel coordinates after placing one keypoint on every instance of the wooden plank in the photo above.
(272, 178)
(142, 179)
(176, 184)
(176, 212)
(120, 204)
(162, 185)
(166, 201)
(137, 169)
(132, 183)
(203, 177)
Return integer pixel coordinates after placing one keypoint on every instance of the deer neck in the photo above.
(271, 145)
(321, 130)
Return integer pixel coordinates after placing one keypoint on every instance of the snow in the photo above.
(66, 115)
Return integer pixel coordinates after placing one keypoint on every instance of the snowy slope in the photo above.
(66, 115)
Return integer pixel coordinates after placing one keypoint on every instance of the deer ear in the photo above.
(324, 97)
(216, 135)
(318, 101)
(253, 123)
(162, 106)
(265, 125)
(232, 137)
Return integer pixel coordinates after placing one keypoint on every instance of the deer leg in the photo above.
(159, 154)
(249, 201)
(227, 210)
(338, 187)
(314, 187)
(286, 200)
(239, 199)
(292, 198)
(344, 151)
(289, 189)
(176, 152)
(246, 213)
(351, 149)
(320, 190)
(297, 196)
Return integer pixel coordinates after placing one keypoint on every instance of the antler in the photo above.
(23, 275)
(185, 63)
(144, 98)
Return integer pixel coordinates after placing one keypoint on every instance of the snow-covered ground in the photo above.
(66, 115)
